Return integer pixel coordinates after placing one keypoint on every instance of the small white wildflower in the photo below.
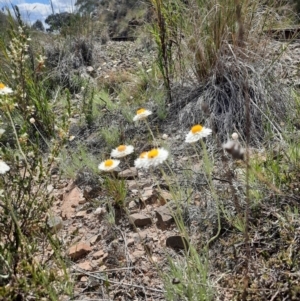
(32, 120)
(108, 165)
(141, 161)
(152, 158)
(122, 151)
(197, 132)
(141, 114)
(157, 156)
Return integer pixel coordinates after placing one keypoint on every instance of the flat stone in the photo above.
(176, 242)
(98, 254)
(130, 242)
(95, 239)
(132, 185)
(84, 279)
(129, 173)
(164, 217)
(71, 200)
(100, 211)
(139, 220)
(90, 192)
(163, 196)
(148, 196)
(132, 205)
(86, 265)
(81, 214)
(90, 69)
(79, 250)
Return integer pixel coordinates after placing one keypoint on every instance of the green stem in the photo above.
(16, 135)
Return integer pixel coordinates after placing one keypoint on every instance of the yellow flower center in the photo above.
(108, 163)
(2, 86)
(140, 111)
(196, 128)
(121, 148)
(153, 153)
(143, 155)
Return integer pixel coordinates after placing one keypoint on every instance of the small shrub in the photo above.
(64, 62)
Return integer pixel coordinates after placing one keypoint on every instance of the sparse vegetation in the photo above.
(228, 229)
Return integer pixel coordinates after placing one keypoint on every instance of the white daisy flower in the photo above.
(141, 161)
(197, 132)
(153, 158)
(157, 156)
(5, 90)
(3, 167)
(141, 114)
(122, 151)
(109, 165)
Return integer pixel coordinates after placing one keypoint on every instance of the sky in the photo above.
(33, 10)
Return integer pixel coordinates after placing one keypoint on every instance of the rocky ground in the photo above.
(119, 254)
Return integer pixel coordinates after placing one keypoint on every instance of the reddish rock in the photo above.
(81, 214)
(176, 242)
(79, 250)
(164, 217)
(163, 196)
(71, 200)
(86, 265)
(148, 196)
(132, 184)
(130, 242)
(98, 254)
(129, 173)
(95, 239)
(139, 220)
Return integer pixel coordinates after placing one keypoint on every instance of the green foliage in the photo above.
(205, 26)
(111, 135)
(168, 19)
(188, 278)
(38, 25)
(76, 160)
(60, 20)
(24, 203)
(116, 190)
(22, 72)
(28, 122)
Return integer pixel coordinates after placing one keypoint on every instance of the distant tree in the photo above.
(38, 25)
(57, 21)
